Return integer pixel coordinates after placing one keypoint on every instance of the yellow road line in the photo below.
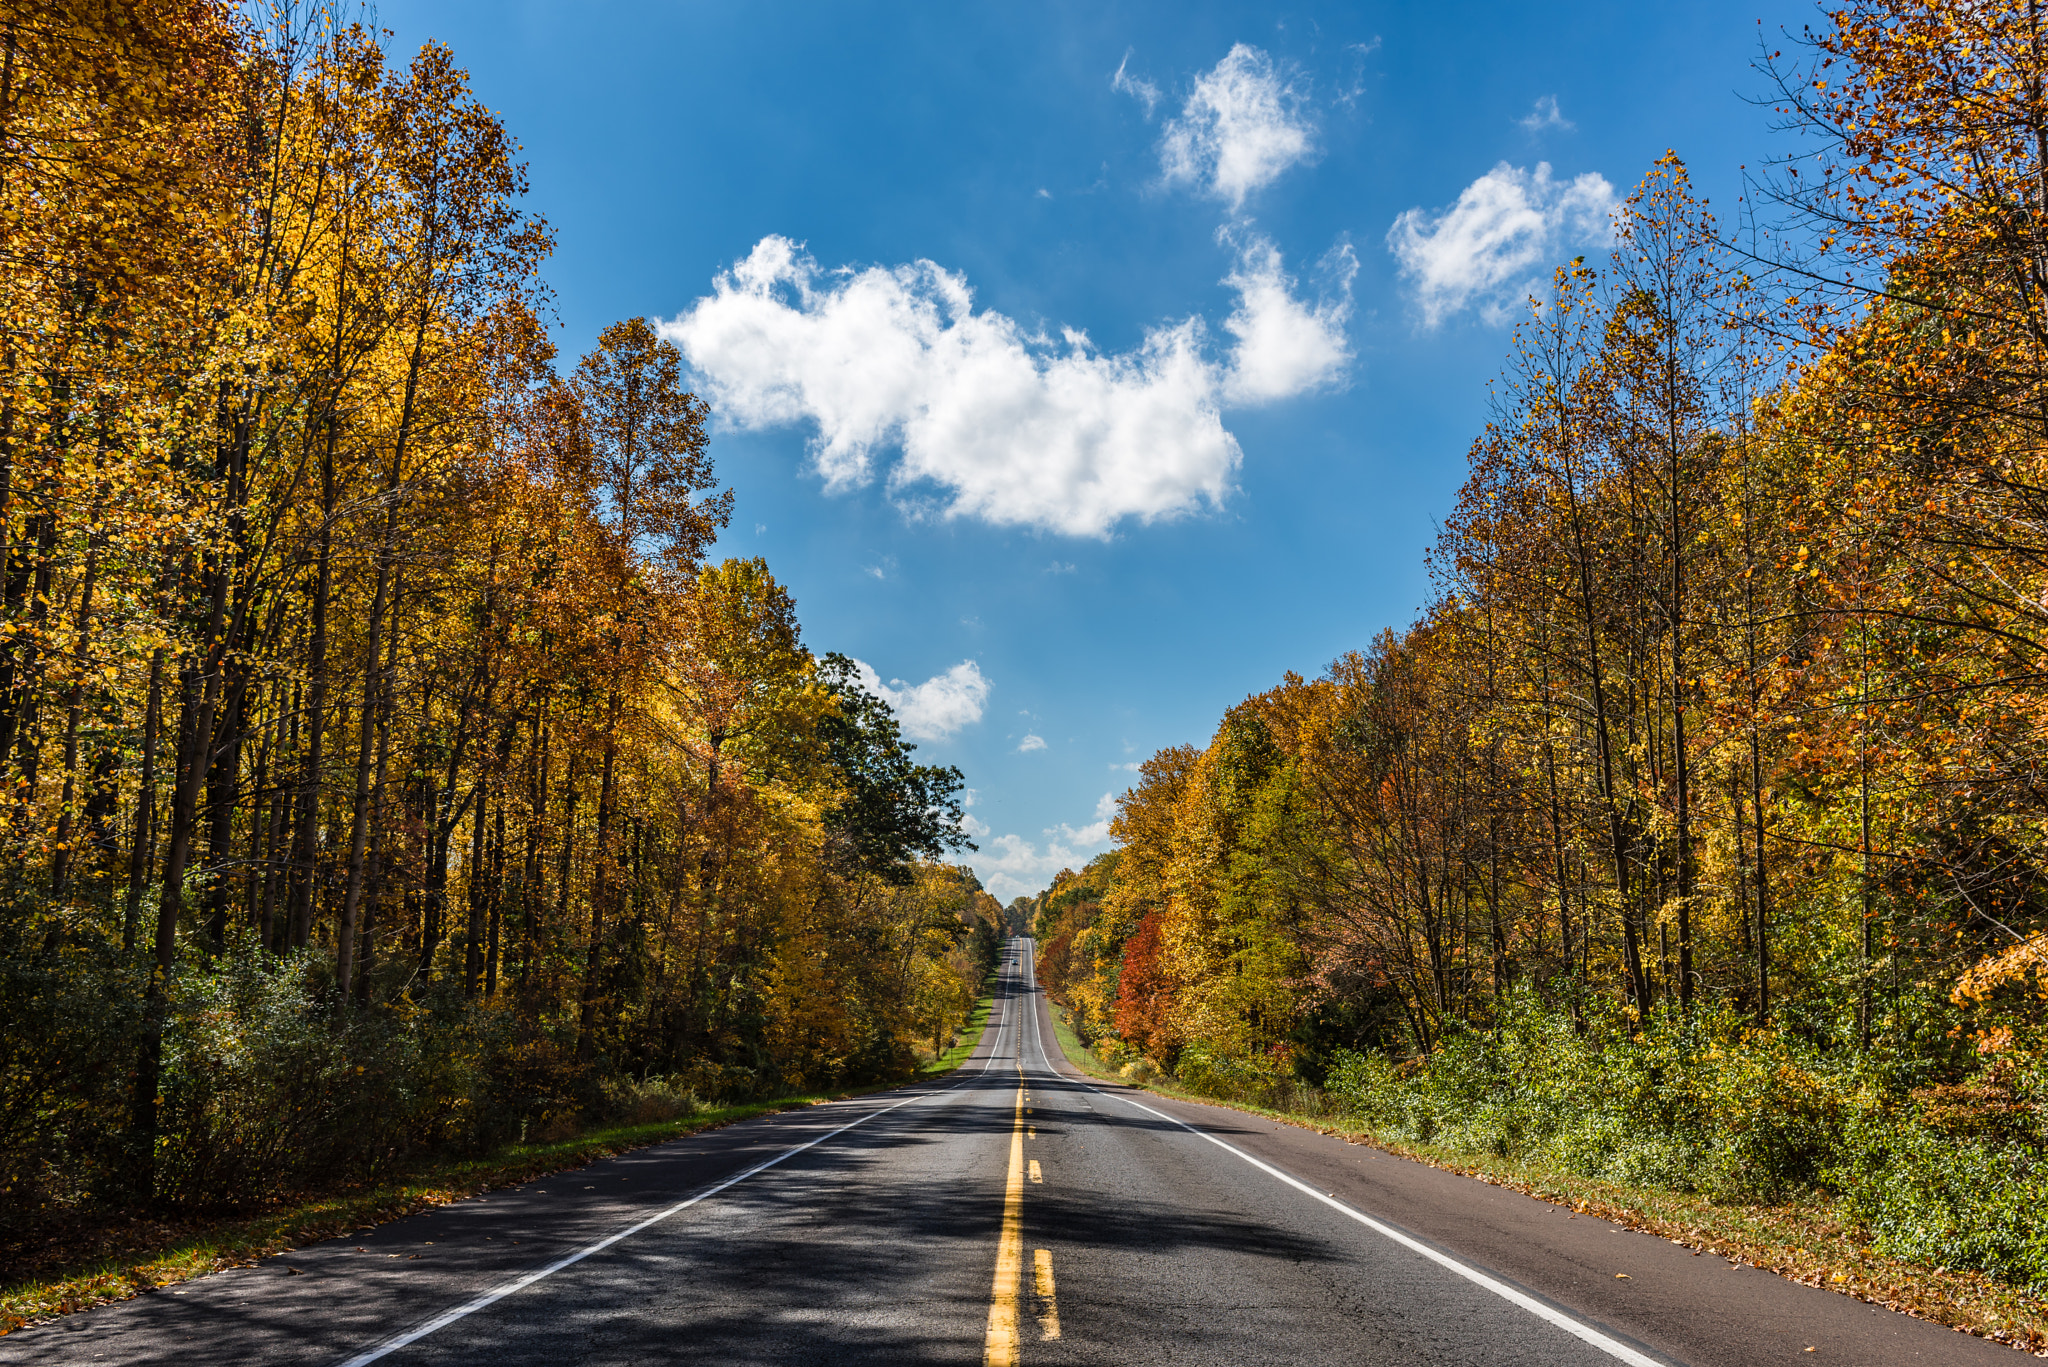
(1048, 1302)
(1001, 1347)
(1036, 1175)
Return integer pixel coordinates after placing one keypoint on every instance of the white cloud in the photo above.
(1544, 115)
(1010, 426)
(1011, 866)
(1130, 768)
(1242, 126)
(1060, 567)
(1138, 88)
(1283, 345)
(1031, 741)
(1044, 193)
(936, 708)
(1506, 223)
(1095, 832)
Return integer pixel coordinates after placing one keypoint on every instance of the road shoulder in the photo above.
(1697, 1308)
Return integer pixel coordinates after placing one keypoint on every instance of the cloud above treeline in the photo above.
(1489, 249)
(937, 709)
(1011, 866)
(967, 413)
(989, 419)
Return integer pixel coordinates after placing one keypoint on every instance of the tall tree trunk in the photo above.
(380, 855)
(600, 886)
(473, 930)
(366, 750)
(142, 842)
(201, 696)
(223, 790)
(74, 708)
(305, 842)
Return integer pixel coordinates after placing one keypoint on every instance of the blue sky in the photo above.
(1082, 368)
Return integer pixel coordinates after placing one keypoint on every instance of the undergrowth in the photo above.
(1841, 1169)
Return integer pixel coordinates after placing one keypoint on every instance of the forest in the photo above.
(389, 768)
(1695, 834)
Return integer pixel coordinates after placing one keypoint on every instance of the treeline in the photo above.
(1716, 760)
(385, 766)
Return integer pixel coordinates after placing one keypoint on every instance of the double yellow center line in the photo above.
(1001, 1345)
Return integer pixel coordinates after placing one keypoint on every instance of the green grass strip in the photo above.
(965, 1042)
(235, 1243)
(1079, 1054)
(1804, 1241)
(211, 1246)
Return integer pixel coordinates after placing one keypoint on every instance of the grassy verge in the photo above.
(1078, 1054)
(965, 1042)
(157, 1255)
(1805, 1241)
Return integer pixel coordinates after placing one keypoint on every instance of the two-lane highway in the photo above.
(1013, 1212)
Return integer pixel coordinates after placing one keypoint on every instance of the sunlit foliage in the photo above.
(383, 761)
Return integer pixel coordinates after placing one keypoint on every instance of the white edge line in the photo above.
(1550, 1314)
(491, 1297)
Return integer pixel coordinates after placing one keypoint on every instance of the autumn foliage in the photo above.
(386, 763)
(1696, 832)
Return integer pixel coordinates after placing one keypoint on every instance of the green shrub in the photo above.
(1710, 1105)
(266, 1090)
(650, 1100)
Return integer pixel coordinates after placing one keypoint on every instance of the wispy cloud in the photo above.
(1545, 115)
(936, 709)
(1505, 224)
(1138, 88)
(1011, 427)
(1240, 129)
(1352, 89)
(1030, 742)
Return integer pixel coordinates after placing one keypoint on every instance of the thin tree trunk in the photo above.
(305, 844)
(141, 849)
(74, 709)
(366, 750)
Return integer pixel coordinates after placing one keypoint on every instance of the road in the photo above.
(1014, 1211)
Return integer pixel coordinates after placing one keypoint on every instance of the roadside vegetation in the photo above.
(113, 1261)
(393, 788)
(964, 1042)
(1805, 1237)
(1691, 842)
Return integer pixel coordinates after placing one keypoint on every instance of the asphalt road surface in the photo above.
(1014, 1211)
